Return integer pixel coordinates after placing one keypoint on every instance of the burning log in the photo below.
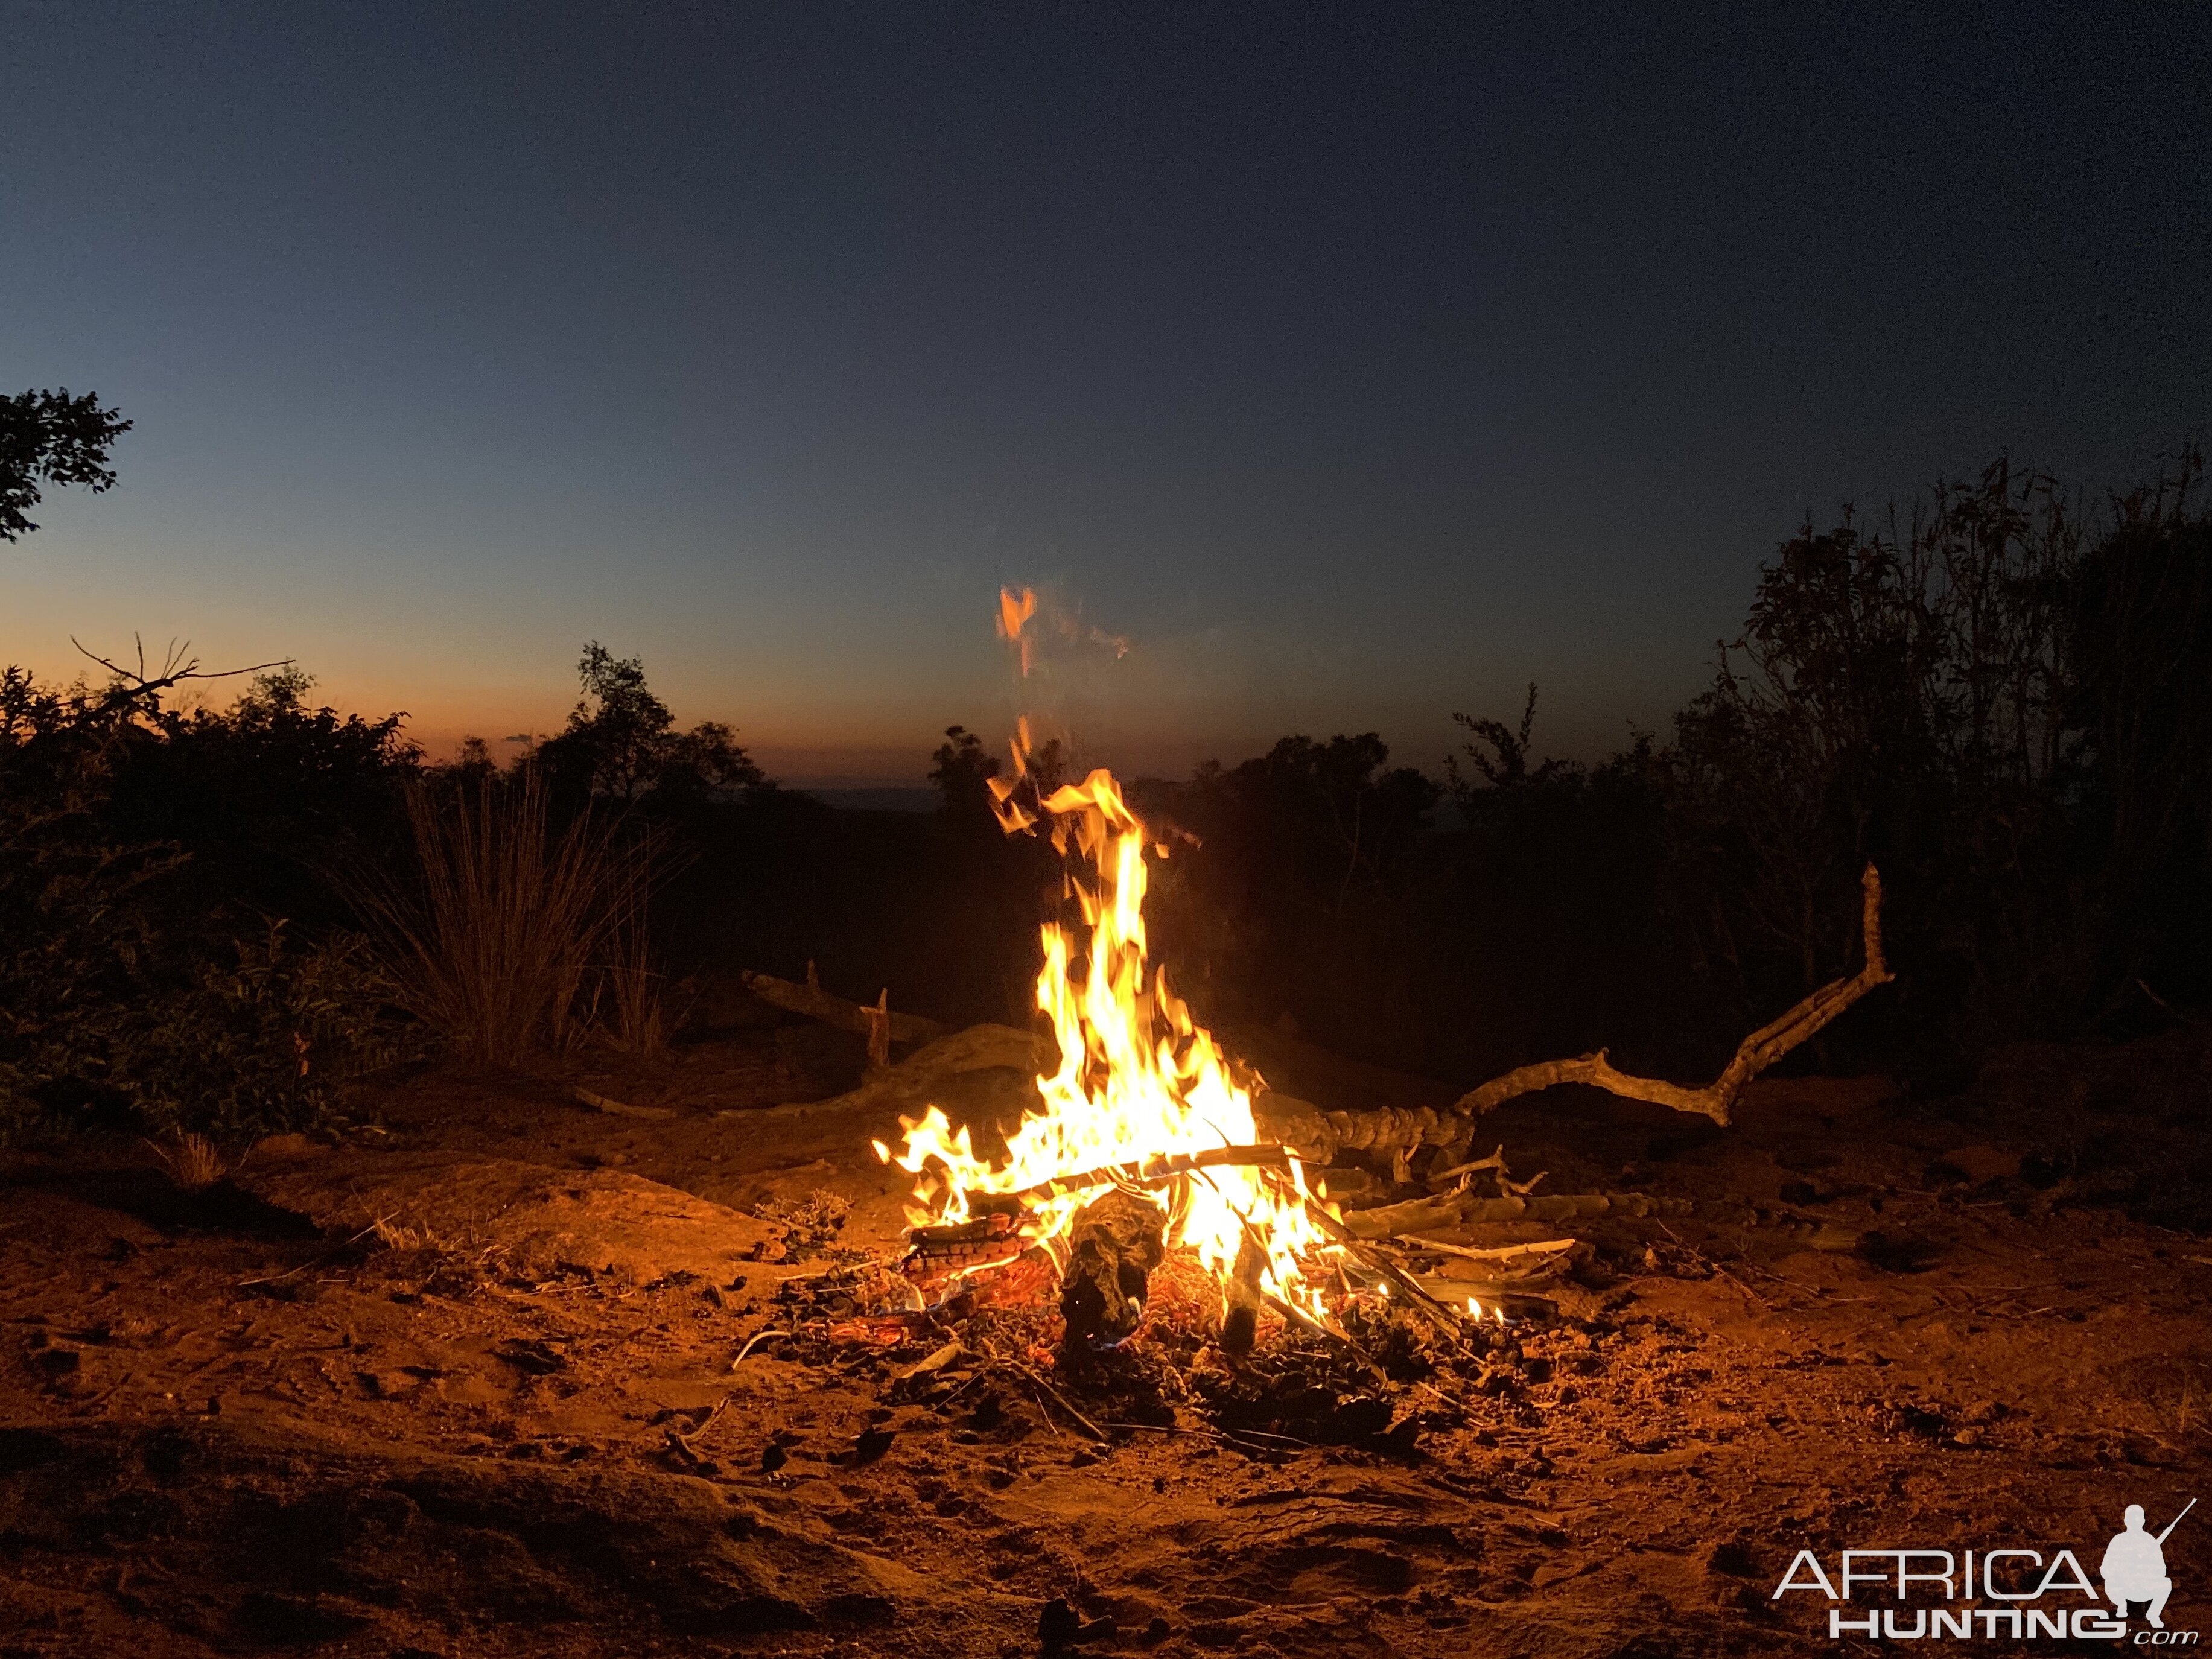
(1157, 1170)
(1717, 1100)
(1243, 1298)
(954, 1250)
(811, 1001)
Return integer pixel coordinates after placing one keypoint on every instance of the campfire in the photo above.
(1143, 1101)
(1150, 1170)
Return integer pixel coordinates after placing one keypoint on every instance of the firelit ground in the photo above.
(236, 1421)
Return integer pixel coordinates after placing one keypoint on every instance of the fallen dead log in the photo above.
(1422, 1215)
(1717, 1100)
(1322, 1137)
(815, 1003)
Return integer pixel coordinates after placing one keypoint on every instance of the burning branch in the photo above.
(1756, 1053)
(1154, 1172)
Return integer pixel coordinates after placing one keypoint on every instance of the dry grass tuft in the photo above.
(407, 1239)
(192, 1162)
(493, 947)
(627, 1005)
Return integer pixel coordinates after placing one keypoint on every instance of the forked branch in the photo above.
(179, 666)
(1717, 1100)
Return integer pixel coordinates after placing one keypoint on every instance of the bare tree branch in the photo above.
(1717, 1100)
(177, 667)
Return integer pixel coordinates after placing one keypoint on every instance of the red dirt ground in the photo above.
(223, 1427)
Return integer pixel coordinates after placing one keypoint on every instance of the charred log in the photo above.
(1240, 1319)
(1117, 1241)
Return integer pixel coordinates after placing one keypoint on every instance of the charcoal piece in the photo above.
(1116, 1242)
(1058, 1624)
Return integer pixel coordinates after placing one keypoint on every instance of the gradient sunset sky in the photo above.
(1358, 363)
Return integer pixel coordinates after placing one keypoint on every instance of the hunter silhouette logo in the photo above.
(2008, 1594)
(2134, 1568)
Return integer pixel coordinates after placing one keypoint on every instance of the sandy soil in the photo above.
(507, 1420)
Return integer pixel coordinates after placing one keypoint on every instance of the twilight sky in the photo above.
(1358, 363)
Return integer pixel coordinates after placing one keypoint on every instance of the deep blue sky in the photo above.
(1359, 363)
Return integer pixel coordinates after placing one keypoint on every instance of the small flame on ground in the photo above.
(1138, 1079)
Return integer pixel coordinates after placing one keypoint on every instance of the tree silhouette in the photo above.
(50, 437)
(622, 740)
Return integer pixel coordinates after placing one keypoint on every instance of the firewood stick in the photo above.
(1495, 1252)
(1319, 1137)
(1524, 1261)
(1059, 1399)
(1448, 1316)
(1717, 1100)
(814, 1002)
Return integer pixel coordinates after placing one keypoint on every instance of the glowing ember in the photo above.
(1139, 1082)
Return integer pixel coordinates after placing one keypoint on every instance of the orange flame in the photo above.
(1139, 1080)
(1014, 609)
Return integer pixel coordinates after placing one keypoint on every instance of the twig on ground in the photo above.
(754, 1341)
(1716, 1266)
(1059, 1399)
(583, 1097)
(1227, 1437)
(684, 1440)
(328, 1257)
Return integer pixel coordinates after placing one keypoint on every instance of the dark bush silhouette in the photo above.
(2002, 697)
(134, 987)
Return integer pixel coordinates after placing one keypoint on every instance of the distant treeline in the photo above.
(2002, 697)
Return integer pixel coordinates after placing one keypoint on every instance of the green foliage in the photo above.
(263, 1037)
(50, 437)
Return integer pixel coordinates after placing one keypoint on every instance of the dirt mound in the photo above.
(536, 1220)
(310, 1542)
